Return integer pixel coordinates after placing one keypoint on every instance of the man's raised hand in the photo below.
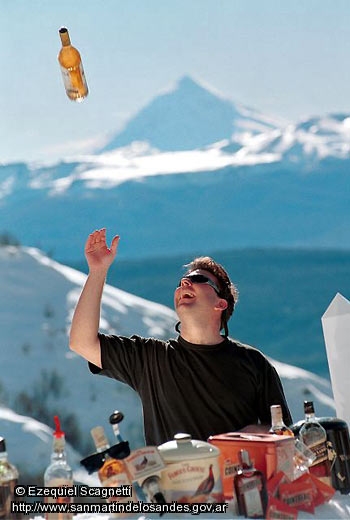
(97, 253)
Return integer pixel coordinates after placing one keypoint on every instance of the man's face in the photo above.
(197, 290)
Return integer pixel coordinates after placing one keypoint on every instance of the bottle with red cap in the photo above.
(59, 474)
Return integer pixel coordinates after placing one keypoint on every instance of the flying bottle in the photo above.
(72, 68)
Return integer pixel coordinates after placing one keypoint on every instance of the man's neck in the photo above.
(201, 336)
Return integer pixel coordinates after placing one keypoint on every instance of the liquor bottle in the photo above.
(277, 425)
(113, 472)
(250, 488)
(8, 481)
(314, 436)
(72, 68)
(58, 473)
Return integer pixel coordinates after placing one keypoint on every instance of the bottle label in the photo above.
(75, 82)
(321, 465)
(250, 490)
(113, 474)
(320, 451)
(6, 496)
(192, 481)
(59, 482)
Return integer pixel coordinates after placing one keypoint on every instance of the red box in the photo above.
(268, 453)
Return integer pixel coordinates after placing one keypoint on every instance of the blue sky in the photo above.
(286, 58)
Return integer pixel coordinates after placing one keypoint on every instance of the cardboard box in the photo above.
(268, 453)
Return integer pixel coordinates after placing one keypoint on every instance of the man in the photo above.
(201, 383)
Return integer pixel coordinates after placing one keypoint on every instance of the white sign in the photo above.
(336, 332)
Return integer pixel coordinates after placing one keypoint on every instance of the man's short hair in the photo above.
(228, 291)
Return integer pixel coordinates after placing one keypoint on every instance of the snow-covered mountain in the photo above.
(187, 116)
(41, 377)
(196, 168)
(310, 140)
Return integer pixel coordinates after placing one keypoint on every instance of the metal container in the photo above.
(192, 472)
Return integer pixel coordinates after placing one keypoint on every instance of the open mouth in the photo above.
(186, 295)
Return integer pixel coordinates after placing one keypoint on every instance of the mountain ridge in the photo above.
(284, 186)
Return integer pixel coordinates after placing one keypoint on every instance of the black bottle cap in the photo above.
(116, 417)
(2, 445)
(309, 407)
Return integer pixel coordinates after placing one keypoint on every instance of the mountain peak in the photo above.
(187, 116)
(188, 83)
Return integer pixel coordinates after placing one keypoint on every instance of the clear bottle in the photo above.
(314, 436)
(250, 488)
(58, 473)
(277, 424)
(8, 481)
(72, 68)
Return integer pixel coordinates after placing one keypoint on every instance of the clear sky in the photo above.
(286, 58)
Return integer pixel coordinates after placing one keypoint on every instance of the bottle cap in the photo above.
(116, 417)
(58, 433)
(244, 457)
(2, 445)
(309, 407)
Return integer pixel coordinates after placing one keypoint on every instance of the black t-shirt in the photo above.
(202, 390)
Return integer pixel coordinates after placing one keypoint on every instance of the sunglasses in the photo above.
(95, 462)
(202, 279)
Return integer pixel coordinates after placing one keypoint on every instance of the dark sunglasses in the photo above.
(95, 462)
(201, 278)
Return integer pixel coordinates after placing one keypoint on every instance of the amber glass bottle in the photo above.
(250, 488)
(277, 425)
(72, 68)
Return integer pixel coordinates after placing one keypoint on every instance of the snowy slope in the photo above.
(39, 371)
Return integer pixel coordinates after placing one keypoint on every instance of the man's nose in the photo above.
(185, 281)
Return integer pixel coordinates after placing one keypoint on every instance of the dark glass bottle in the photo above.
(250, 488)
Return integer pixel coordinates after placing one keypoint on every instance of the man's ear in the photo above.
(221, 305)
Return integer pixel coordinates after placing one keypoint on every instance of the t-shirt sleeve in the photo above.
(271, 392)
(122, 358)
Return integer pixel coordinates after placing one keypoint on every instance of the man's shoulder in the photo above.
(245, 348)
(135, 340)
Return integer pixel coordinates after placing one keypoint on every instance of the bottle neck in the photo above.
(116, 432)
(309, 416)
(3, 455)
(64, 35)
(244, 460)
(100, 439)
(276, 417)
(58, 449)
(58, 456)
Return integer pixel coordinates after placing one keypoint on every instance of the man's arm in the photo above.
(83, 338)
